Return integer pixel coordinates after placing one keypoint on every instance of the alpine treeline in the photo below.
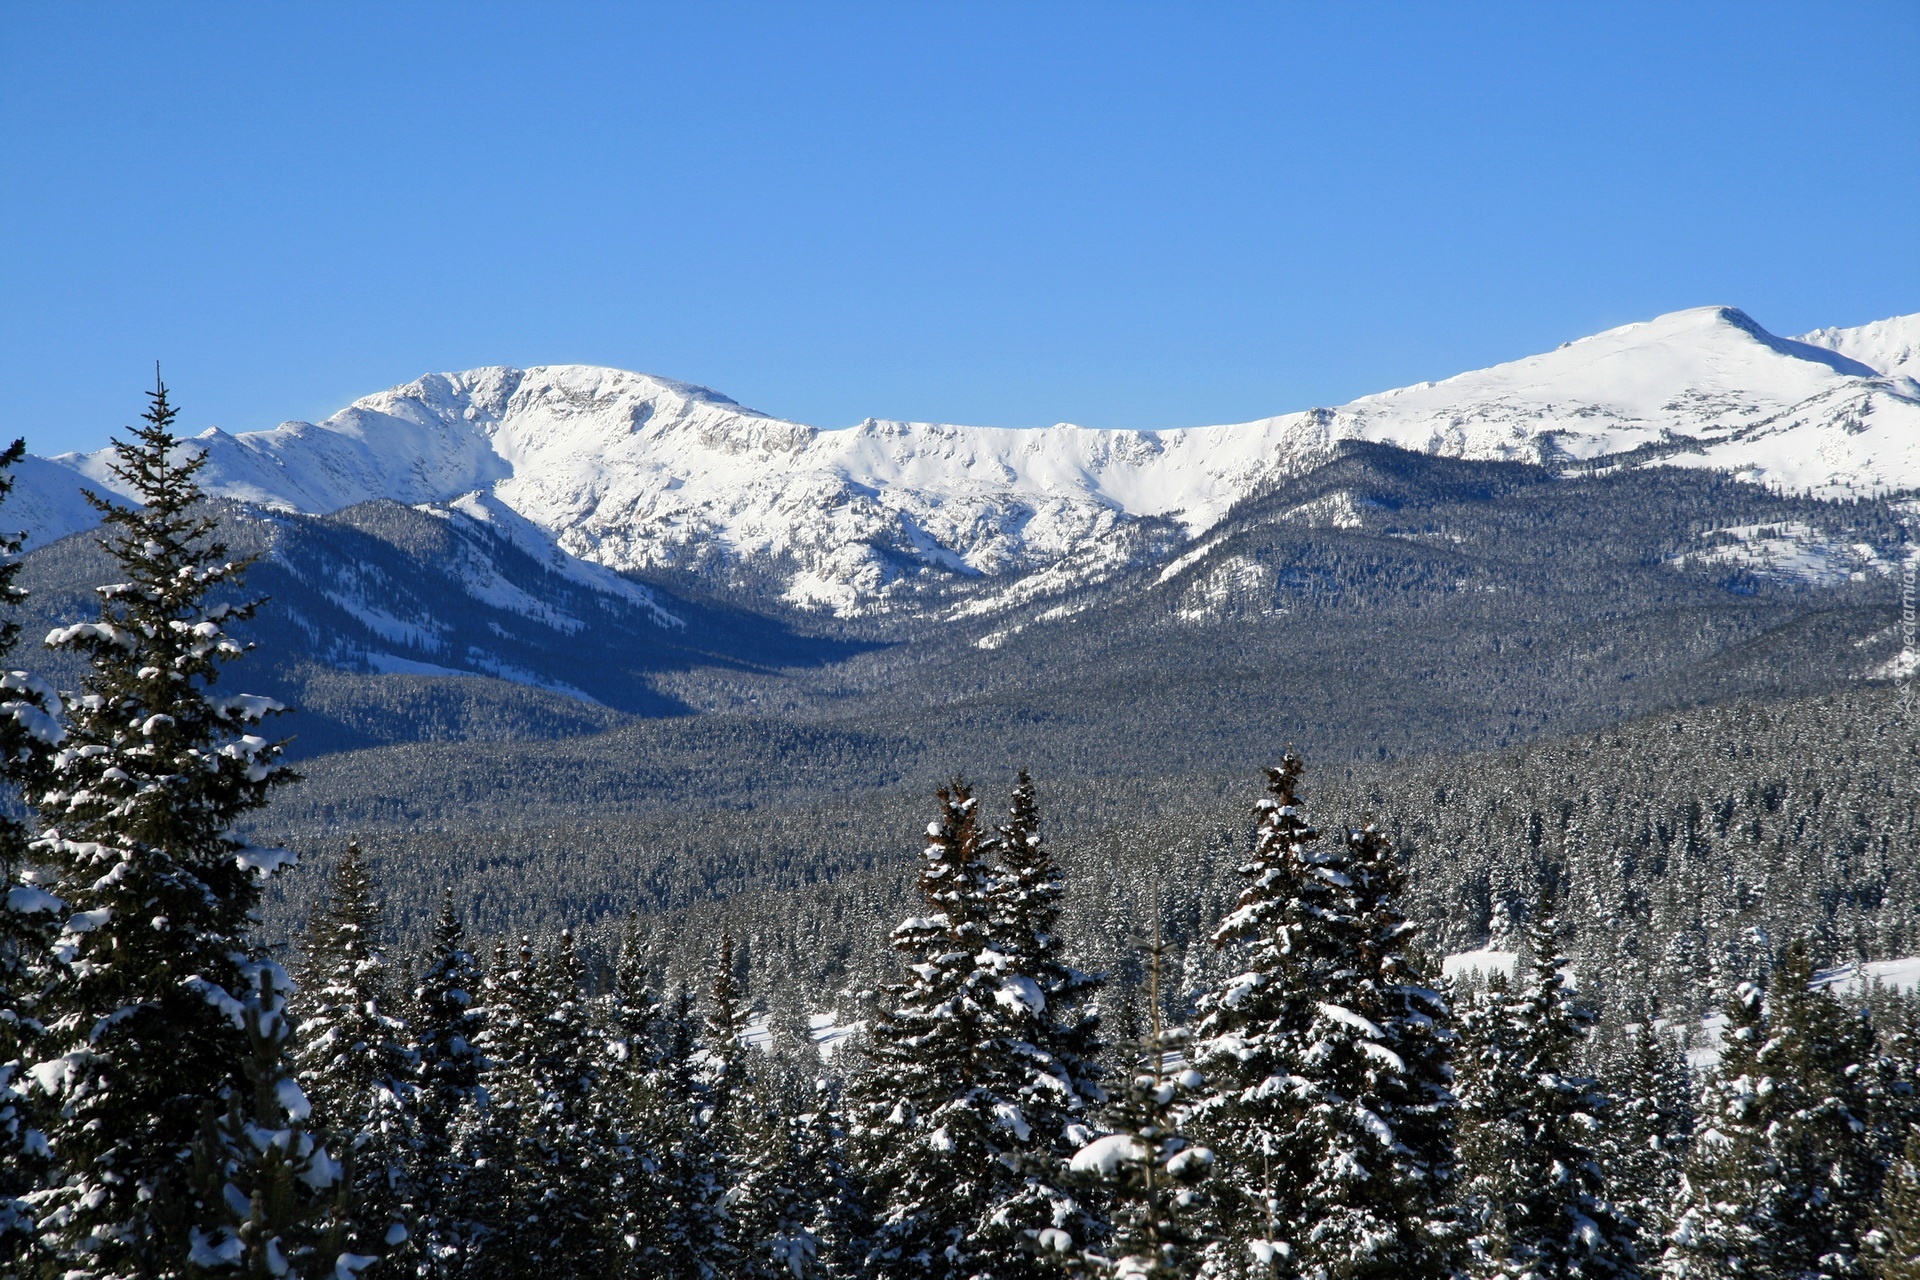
(175, 1103)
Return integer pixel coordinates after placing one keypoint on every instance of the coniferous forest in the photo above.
(1318, 1101)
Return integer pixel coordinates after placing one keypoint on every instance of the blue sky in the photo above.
(1142, 216)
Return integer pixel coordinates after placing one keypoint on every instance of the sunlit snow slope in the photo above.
(644, 473)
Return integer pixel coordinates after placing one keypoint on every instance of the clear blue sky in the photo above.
(1016, 214)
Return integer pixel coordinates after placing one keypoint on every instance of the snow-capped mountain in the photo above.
(634, 472)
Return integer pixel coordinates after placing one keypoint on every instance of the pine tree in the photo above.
(936, 1142)
(695, 1241)
(1649, 1129)
(1049, 1042)
(354, 1060)
(560, 1190)
(631, 1113)
(28, 914)
(841, 1223)
(1894, 1241)
(1327, 1060)
(281, 1204)
(1530, 1131)
(1155, 1176)
(1786, 1168)
(489, 1139)
(148, 1020)
(446, 1028)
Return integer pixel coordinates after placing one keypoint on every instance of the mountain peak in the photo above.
(639, 472)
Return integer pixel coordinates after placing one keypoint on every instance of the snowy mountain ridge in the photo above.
(634, 472)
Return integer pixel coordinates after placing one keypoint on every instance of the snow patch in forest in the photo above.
(1789, 552)
(1902, 975)
(1480, 965)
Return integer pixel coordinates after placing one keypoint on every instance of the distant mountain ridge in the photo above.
(644, 474)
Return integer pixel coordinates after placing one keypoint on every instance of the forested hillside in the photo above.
(744, 1011)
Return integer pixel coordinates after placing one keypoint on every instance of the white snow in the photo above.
(1853, 979)
(628, 471)
(1789, 552)
(1480, 965)
(1892, 347)
(1104, 1156)
(28, 900)
(1902, 974)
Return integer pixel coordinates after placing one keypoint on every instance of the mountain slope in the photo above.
(643, 474)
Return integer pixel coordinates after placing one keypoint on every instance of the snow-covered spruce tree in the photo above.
(694, 1241)
(486, 1197)
(1328, 1104)
(1787, 1164)
(1727, 1188)
(1530, 1131)
(354, 1057)
(1648, 1130)
(29, 915)
(935, 1139)
(1048, 1042)
(446, 1027)
(777, 1195)
(282, 1205)
(840, 1224)
(1894, 1241)
(629, 1113)
(1153, 1175)
(727, 1080)
(560, 1183)
(158, 988)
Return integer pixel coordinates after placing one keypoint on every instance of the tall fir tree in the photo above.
(695, 1240)
(489, 1138)
(1154, 1176)
(1787, 1165)
(631, 1114)
(1648, 1131)
(936, 1138)
(354, 1058)
(446, 1030)
(159, 986)
(1049, 1043)
(282, 1205)
(29, 915)
(1530, 1131)
(561, 1193)
(1893, 1251)
(1328, 1101)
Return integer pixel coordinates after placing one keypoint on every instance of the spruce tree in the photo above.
(841, 1224)
(354, 1059)
(1894, 1241)
(560, 1185)
(936, 1140)
(1328, 1100)
(281, 1204)
(159, 988)
(1530, 1131)
(446, 1028)
(1787, 1165)
(1648, 1131)
(29, 915)
(1048, 1043)
(631, 1114)
(695, 1241)
(489, 1139)
(1153, 1175)
(1727, 1188)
